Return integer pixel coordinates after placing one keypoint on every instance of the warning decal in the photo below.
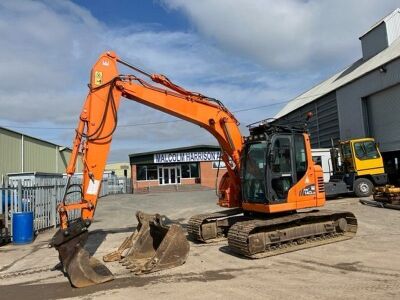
(98, 78)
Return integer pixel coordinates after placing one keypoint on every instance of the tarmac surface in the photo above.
(365, 267)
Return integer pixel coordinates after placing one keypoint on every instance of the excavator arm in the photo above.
(97, 123)
(99, 117)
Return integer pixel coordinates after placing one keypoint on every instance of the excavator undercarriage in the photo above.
(262, 236)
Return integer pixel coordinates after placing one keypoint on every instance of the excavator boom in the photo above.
(97, 124)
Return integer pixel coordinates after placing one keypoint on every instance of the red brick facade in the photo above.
(207, 177)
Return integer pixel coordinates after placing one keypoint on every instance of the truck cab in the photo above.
(361, 168)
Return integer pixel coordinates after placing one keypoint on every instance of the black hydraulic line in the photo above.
(133, 67)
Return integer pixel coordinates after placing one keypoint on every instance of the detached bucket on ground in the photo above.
(157, 244)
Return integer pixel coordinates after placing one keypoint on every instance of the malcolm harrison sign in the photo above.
(183, 157)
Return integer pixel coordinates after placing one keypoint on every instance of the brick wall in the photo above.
(207, 177)
(208, 174)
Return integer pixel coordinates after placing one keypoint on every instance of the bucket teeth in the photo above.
(154, 246)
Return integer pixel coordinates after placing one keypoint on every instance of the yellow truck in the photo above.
(357, 168)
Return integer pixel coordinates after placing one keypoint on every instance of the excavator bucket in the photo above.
(156, 244)
(81, 269)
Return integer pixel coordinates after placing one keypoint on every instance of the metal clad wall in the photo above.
(324, 124)
(328, 121)
(350, 99)
(374, 41)
(383, 118)
(39, 156)
(10, 152)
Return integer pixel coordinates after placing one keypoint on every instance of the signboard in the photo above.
(183, 157)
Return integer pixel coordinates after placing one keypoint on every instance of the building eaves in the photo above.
(35, 138)
(351, 73)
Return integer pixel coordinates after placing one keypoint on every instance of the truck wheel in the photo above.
(363, 187)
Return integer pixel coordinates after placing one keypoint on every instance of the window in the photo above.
(366, 150)
(141, 173)
(282, 166)
(190, 170)
(346, 150)
(253, 175)
(194, 170)
(146, 172)
(281, 158)
(151, 172)
(185, 171)
(317, 160)
(300, 155)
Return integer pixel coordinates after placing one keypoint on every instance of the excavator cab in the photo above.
(274, 161)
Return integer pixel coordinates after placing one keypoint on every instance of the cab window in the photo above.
(300, 155)
(346, 150)
(254, 170)
(366, 150)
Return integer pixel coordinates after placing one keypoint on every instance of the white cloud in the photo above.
(48, 49)
(287, 34)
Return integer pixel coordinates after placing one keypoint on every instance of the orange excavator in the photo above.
(270, 179)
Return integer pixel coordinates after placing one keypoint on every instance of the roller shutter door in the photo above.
(384, 118)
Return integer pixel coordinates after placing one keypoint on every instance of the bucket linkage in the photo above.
(81, 269)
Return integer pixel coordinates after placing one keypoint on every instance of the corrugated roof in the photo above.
(351, 73)
(384, 19)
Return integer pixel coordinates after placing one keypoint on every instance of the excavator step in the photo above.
(267, 237)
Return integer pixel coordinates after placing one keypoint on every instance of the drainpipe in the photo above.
(56, 159)
(22, 153)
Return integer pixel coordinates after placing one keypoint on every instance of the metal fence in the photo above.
(42, 195)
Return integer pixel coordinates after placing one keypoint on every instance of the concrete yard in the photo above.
(366, 267)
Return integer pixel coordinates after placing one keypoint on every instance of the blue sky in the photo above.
(247, 53)
(124, 13)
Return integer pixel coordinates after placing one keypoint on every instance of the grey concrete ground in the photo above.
(366, 267)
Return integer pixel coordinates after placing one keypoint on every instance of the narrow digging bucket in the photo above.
(155, 245)
(81, 269)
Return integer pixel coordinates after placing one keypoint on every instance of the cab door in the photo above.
(280, 172)
(367, 158)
